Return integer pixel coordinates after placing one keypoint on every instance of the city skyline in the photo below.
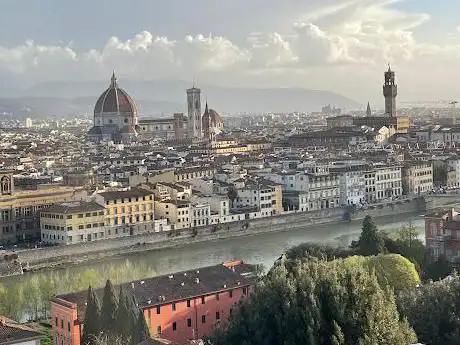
(339, 46)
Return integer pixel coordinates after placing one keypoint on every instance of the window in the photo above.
(217, 315)
(69, 217)
(56, 321)
(230, 293)
(174, 326)
(203, 301)
(158, 309)
(188, 303)
(203, 318)
(80, 227)
(159, 330)
(217, 296)
(62, 324)
(80, 215)
(173, 307)
(68, 326)
(245, 291)
(69, 228)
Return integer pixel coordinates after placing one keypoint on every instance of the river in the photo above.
(258, 249)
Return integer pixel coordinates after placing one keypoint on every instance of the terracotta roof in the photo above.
(119, 194)
(73, 207)
(115, 100)
(175, 287)
(12, 332)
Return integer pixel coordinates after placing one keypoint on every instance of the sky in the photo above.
(342, 46)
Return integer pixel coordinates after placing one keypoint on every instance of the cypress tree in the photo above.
(141, 330)
(109, 310)
(132, 320)
(371, 241)
(122, 324)
(91, 327)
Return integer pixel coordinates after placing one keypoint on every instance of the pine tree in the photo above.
(371, 241)
(109, 310)
(91, 327)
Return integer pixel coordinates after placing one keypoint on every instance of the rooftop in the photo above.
(12, 332)
(120, 194)
(74, 207)
(178, 286)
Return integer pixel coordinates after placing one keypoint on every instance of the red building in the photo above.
(442, 233)
(179, 307)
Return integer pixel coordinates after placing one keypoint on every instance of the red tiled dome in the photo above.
(115, 100)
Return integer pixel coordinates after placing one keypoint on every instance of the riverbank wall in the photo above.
(42, 258)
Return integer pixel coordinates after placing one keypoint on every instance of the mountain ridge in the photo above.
(156, 98)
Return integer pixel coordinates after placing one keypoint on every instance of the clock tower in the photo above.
(194, 126)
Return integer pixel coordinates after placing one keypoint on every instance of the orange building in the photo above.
(179, 307)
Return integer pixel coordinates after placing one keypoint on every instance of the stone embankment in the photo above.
(42, 258)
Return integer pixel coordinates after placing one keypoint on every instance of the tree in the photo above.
(91, 328)
(433, 310)
(141, 330)
(109, 309)
(371, 242)
(232, 194)
(320, 303)
(122, 319)
(391, 270)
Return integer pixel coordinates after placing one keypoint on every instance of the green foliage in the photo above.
(14, 296)
(433, 310)
(308, 251)
(141, 330)
(109, 309)
(91, 328)
(319, 303)
(371, 242)
(122, 319)
(390, 269)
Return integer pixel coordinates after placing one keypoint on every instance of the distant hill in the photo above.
(166, 97)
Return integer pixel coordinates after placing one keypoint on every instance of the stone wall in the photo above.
(45, 257)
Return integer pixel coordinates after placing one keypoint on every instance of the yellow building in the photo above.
(19, 216)
(130, 210)
(402, 124)
(75, 222)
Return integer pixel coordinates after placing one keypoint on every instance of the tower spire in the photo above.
(113, 80)
(368, 110)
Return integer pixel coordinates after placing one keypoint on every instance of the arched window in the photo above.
(6, 185)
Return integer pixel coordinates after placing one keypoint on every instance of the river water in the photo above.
(258, 249)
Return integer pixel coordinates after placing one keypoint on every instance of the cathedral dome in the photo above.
(115, 101)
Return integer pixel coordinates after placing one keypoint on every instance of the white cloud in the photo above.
(352, 39)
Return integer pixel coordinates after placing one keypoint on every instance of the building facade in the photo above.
(178, 307)
(76, 222)
(417, 178)
(19, 209)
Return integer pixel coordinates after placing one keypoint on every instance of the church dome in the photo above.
(211, 118)
(115, 100)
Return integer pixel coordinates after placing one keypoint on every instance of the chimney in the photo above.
(132, 285)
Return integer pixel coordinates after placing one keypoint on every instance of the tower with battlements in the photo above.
(390, 91)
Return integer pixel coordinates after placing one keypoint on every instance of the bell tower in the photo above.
(390, 91)
(194, 113)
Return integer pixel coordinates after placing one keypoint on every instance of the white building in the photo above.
(200, 214)
(383, 182)
(352, 181)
